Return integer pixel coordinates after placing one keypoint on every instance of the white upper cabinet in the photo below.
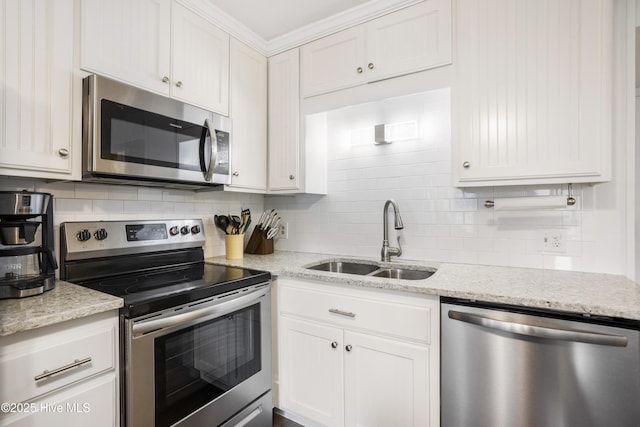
(39, 121)
(200, 61)
(284, 122)
(128, 41)
(249, 115)
(158, 45)
(403, 42)
(532, 95)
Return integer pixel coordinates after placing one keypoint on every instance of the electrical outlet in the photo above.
(553, 240)
(284, 230)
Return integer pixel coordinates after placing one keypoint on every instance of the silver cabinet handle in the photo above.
(76, 363)
(292, 177)
(370, 65)
(540, 331)
(165, 79)
(466, 165)
(348, 347)
(236, 173)
(63, 152)
(342, 313)
(334, 344)
(359, 70)
(178, 83)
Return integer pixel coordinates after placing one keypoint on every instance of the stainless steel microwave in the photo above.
(138, 137)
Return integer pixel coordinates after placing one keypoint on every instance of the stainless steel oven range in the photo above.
(195, 337)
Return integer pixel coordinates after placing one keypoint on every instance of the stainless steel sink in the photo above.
(345, 267)
(402, 273)
(373, 270)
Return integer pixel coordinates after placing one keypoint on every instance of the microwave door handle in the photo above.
(214, 150)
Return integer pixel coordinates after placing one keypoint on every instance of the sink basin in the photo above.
(373, 270)
(402, 273)
(345, 267)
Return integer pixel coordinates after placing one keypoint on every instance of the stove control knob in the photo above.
(174, 230)
(195, 229)
(184, 230)
(100, 234)
(83, 235)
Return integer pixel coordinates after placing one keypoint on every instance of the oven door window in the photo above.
(195, 365)
(137, 136)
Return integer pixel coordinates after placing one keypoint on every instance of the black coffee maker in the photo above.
(27, 259)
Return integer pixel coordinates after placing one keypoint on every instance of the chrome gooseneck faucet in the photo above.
(387, 250)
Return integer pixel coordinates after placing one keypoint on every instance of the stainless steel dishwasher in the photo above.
(507, 366)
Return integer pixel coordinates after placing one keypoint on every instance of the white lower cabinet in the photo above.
(62, 375)
(358, 357)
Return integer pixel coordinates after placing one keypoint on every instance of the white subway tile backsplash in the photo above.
(442, 222)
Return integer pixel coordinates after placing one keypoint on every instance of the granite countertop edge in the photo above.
(597, 294)
(65, 301)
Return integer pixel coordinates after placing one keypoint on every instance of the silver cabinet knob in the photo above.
(359, 70)
(466, 165)
(178, 83)
(370, 65)
(236, 173)
(165, 79)
(348, 347)
(334, 344)
(63, 152)
(292, 177)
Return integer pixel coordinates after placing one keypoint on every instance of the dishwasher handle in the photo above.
(540, 331)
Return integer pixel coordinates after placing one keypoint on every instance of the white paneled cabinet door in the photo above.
(333, 62)
(128, 41)
(396, 395)
(249, 115)
(284, 121)
(200, 61)
(36, 104)
(410, 40)
(533, 92)
(311, 381)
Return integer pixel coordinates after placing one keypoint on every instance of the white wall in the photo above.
(442, 223)
(96, 202)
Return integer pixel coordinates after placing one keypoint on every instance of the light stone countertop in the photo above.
(64, 302)
(590, 293)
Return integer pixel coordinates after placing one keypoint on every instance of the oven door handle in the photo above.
(205, 313)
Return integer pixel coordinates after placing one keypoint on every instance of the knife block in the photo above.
(258, 243)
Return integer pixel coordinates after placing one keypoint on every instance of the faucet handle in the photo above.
(399, 252)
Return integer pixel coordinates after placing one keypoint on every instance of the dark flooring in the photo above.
(280, 420)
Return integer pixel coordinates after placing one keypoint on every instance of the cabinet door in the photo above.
(333, 62)
(249, 115)
(199, 61)
(386, 382)
(36, 104)
(128, 41)
(310, 370)
(533, 92)
(410, 40)
(284, 121)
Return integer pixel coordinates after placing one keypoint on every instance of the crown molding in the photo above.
(349, 18)
(316, 30)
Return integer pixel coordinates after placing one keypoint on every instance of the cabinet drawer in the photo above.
(69, 353)
(384, 313)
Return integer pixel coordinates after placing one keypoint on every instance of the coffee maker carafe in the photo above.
(27, 258)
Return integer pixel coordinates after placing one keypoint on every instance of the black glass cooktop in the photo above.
(160, 288)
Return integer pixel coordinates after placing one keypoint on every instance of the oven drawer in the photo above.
(382, 312)
(42, 360)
